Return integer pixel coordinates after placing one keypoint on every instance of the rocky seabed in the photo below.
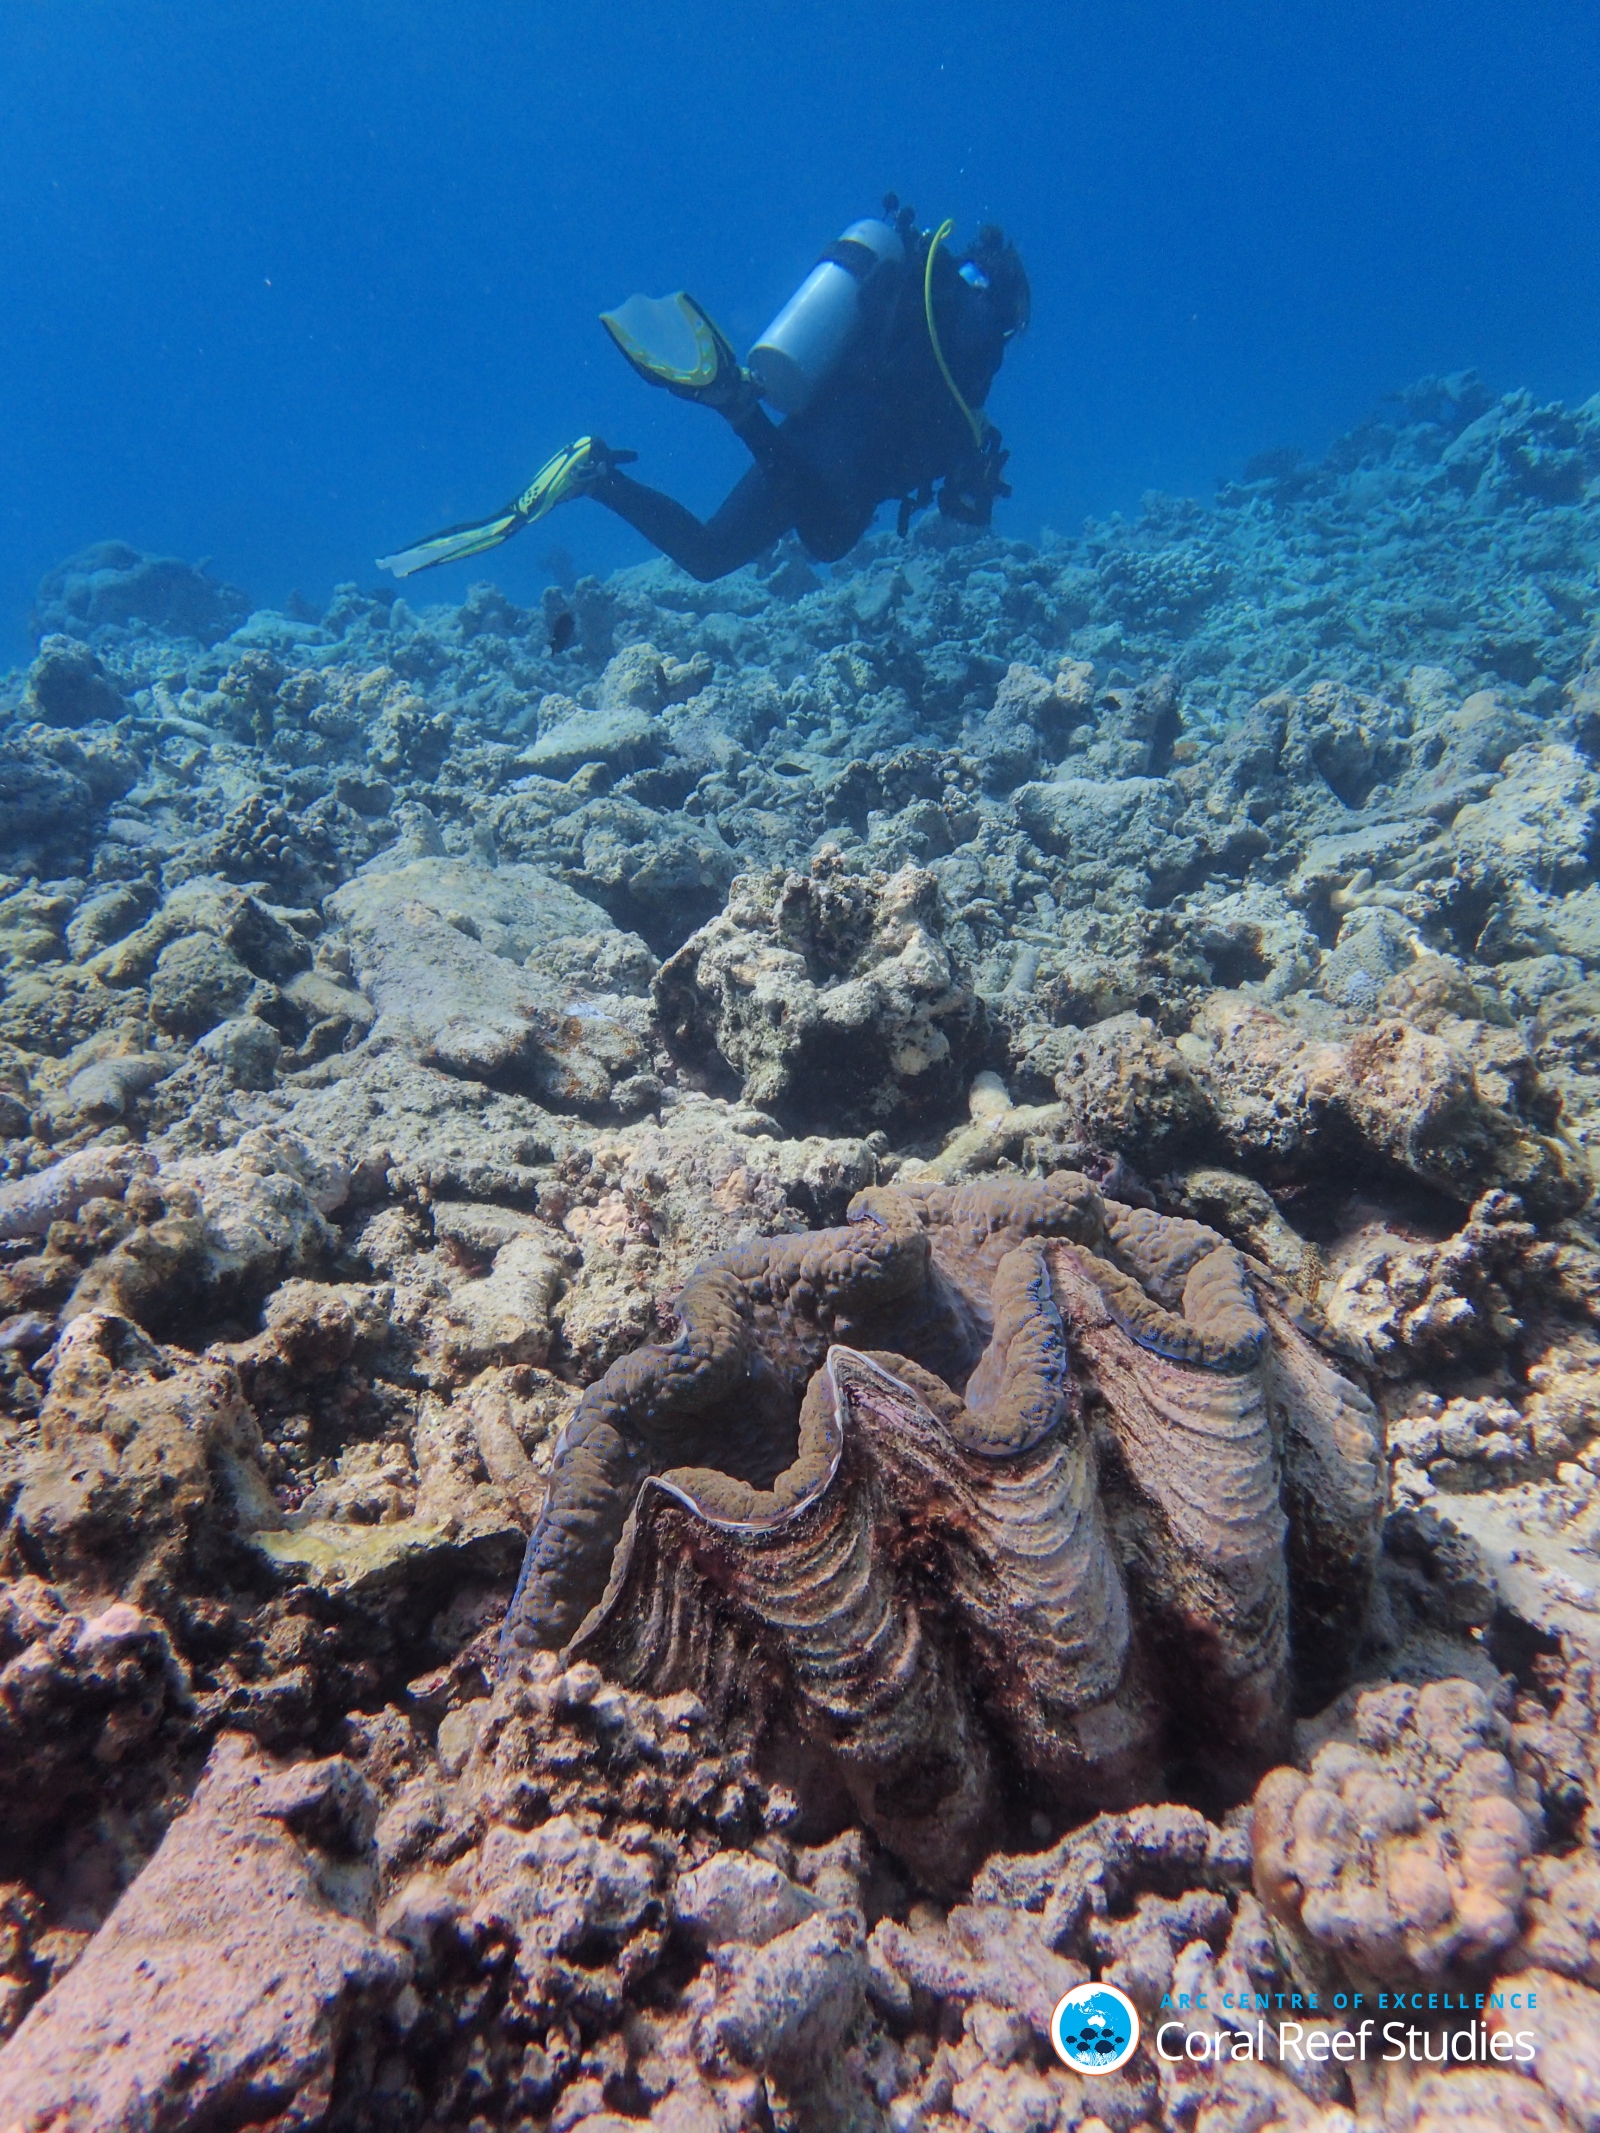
(725, 1354)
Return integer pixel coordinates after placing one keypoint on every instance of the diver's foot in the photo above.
(574, 471)
(736, 396)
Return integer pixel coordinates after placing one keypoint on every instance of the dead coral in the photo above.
(82, 1698)
(249, 1935)
(830, 995)
(1461, 1108)
(1413, 1304)
(1400, 1855)
(139, 1465)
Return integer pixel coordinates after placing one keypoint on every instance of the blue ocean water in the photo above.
(285, 286)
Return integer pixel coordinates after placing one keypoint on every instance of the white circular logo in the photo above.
(1095, 2029)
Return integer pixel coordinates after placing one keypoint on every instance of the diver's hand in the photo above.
(968, 497)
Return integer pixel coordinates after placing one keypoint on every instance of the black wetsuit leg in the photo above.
(831, 500)
(756, 512)
(782, 493)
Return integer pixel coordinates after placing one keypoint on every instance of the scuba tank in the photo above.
(812, 331)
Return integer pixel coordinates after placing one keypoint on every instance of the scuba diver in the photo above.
(879, 363)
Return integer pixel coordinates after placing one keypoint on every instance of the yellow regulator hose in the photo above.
(973, 422)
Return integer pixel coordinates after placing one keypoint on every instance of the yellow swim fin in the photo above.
(572, 470)
(672, 341)
(453, 545)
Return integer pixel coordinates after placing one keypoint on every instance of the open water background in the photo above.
(286, 285)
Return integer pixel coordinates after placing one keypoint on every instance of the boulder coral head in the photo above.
(1001, 1493)
(830, 995)
(1400, 1856)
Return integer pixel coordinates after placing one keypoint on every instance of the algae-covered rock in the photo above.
(622, 737)
(355, 1559)
(1460, 1106)
(231, 1973)
(830, 996)
(198, 983)
(1129, 1090)
(513, 911)
(111, 585)
(1540, 821)
(141, 1463)
(46, 813)
(67, 686)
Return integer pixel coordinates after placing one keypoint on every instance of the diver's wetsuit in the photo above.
(885, 425)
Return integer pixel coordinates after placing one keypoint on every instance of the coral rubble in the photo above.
(981, 1159)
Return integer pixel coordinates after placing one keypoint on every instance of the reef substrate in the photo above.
(991, 1151)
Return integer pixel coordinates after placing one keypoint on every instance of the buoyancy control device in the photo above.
(809, 335)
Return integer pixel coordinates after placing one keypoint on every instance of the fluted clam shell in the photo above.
(917, 1602)
(1000, 1495)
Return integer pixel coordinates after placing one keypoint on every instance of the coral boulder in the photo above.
(831, 997)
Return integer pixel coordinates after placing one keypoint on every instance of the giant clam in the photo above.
(1003, 1495)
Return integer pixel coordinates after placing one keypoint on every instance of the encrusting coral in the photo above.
(1064, 1476)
